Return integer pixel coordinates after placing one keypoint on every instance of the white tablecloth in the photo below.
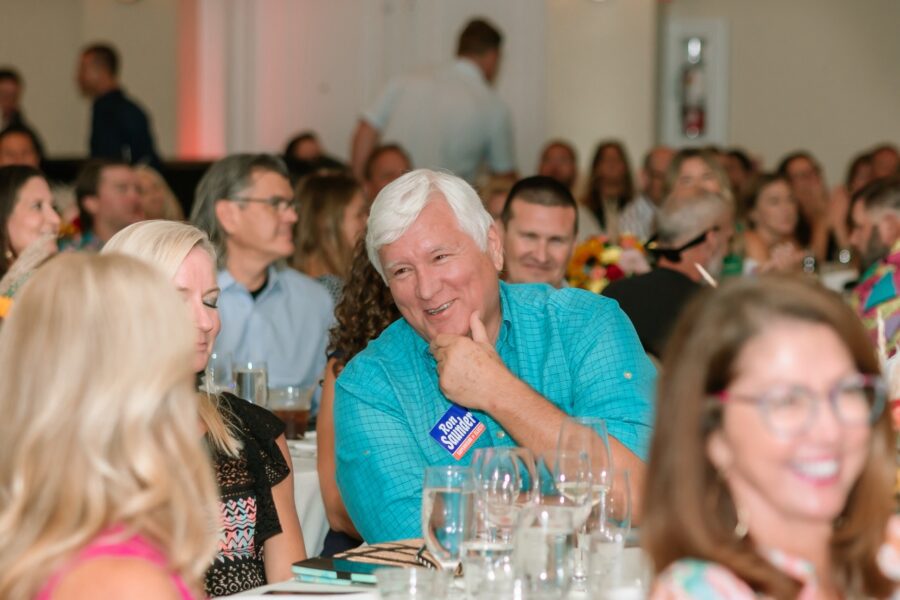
(635, 561)
(308, 591)
(307, 495)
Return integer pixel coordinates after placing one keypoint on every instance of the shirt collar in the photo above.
(227, 280)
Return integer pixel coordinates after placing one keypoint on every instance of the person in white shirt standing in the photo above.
(449, 118)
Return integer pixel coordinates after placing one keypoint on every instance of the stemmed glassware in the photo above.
(609, 532)
(585, 442)
(506, 481)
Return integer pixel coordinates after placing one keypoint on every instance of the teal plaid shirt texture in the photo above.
(575, 348)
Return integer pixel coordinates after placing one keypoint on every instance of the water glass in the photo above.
(291, 404)
(448, 512)
(218, 373)
(251, 381)
(610, 524)
(410, 584)
(488, 568)
(543, 557)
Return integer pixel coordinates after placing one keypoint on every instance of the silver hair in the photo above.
(226, 179)
(684, 217)
(401, 202)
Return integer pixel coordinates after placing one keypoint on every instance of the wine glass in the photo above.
(448, 512)
(610, 532)
(587, 436)
(506, 481)
(564, 480)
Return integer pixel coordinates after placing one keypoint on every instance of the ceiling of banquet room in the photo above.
(225, 75)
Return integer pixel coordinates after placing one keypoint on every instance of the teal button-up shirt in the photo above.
(575, 348)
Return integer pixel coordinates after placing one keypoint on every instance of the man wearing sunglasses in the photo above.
(693, 232)
(269, 312)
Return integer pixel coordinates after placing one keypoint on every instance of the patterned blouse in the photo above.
(696, 579)
(248, 510)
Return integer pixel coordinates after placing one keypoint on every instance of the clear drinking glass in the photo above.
(609, 531)
(587, 436)
(409, 584)
(448, 512)
(251, 381)
(291, 404)
(506, 480)
(564, 481)
(488, 568)
(543, 556)
(218, 373)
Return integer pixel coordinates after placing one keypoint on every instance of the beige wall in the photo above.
(819, 74)
(815, 74)
(601, 70)
(42, 39)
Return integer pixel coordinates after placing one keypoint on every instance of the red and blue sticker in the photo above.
(457, 430)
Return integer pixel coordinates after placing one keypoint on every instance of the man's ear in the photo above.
(227, 214)
(495, 247)
(91, 204)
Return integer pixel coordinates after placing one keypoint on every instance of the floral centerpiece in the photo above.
(597, 262)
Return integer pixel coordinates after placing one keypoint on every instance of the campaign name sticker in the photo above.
(457, 430)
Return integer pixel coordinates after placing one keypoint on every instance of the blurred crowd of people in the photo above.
(762, 455)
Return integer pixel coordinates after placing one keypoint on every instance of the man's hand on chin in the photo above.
(469, 369)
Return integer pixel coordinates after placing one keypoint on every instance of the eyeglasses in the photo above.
(790, 410)
(674, 254)
(279, 203)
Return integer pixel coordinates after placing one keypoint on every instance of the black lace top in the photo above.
(247, 508)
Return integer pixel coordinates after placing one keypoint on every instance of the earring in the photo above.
(741, 528)
(9, 255)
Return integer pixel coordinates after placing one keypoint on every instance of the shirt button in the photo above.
(501, 435)
(628, 375)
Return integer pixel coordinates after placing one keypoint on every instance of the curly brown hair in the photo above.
(365, 310)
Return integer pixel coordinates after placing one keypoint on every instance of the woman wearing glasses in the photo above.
(771, 471)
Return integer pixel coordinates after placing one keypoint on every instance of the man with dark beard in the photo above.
(875, 234)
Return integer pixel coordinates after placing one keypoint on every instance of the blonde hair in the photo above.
(165, 245)
(171, 208)
(99, 425)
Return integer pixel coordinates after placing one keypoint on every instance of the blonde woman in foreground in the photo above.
(105, 490)
(259, 531)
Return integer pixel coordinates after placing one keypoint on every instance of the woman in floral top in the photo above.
(771, 471)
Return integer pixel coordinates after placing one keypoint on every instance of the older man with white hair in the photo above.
(474, 362)
(693, 231)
